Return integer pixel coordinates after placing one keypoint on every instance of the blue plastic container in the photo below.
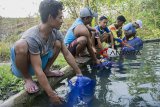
(81, 92)
(104, 64)
(136, 43)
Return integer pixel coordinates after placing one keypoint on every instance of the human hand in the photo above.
(97, 61)
(96, 31)
(112, 46)
(127, 45)
(56, 100)
(79, 75)
(94, 50)
(105, 33)
(105, 53)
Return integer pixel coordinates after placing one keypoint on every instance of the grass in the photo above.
(9, 84)
(5, 47)
(60, 61)
(4, 51)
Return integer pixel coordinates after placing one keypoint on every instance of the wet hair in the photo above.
(121, 18)
(49, 7)
(102, 18)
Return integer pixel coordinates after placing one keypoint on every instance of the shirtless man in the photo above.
(78, 36)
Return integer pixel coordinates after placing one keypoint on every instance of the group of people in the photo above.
(40, 45)
(81, 35)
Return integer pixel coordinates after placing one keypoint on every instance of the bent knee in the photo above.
(82, 40)
(105, 35)
(21, 47)
(58, 44)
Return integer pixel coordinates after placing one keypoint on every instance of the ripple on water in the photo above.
(135, 83)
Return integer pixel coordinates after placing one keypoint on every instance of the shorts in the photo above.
(18, 73)
(72, 47)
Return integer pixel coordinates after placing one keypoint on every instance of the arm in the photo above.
(123, 42)
(90, 28)
(126, 44)
(99, 43)
(113, 31)
(112, 40)
(70, 59)
(97, 37)
(42, 79)
(111, 36)
(81, 30)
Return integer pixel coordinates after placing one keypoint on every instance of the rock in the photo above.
(1, 101)
(23, 99)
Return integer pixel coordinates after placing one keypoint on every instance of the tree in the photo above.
(73, 7)
(146, 10)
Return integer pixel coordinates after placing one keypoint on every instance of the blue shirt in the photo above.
(70, 37)
(129, 27)
(107, 30)
(102, 30)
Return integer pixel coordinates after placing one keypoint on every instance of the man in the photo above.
(116, 30)
(38, 48)
(103, 34)
(130, 29)
(78, 36)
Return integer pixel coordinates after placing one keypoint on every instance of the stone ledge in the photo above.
(151, 40)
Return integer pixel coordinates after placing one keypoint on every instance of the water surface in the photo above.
(129, 83)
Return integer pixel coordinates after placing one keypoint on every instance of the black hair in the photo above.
(102, 17)
(121, 18)
(49, 7)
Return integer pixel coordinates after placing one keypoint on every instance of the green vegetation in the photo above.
(5, 47)
(60, 61)
(9, 84)
(146, 10)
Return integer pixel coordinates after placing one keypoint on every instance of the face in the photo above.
(103, 23)
(136, 25)
(88, 20)
(128, 34)
(120, 23)
(56, 22)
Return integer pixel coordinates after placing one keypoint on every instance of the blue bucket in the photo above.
(136, 43)
(81, 91)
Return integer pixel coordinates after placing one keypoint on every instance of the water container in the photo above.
(81, 90)
(105, 62)
(112, 52)
(136, 43)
